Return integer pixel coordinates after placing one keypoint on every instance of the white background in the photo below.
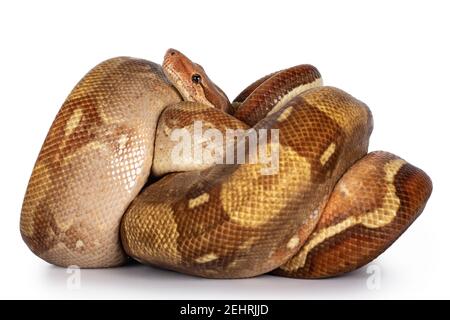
(393, 55)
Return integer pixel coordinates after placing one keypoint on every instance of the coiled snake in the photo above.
(329, 208)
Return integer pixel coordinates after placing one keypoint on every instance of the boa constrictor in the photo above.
(104, 187)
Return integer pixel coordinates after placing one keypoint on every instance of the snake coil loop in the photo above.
(329, 208)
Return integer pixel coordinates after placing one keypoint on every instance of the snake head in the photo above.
(192, 82)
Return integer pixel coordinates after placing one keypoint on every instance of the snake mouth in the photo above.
(171, 59)
(171, 53)
(175, 79)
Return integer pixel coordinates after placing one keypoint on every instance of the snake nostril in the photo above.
(172, 53)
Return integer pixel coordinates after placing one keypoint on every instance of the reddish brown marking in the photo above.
(358, 245)
(259, 103)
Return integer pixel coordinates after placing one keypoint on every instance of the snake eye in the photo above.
(196, 78)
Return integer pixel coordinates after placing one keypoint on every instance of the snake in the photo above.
(106, 188)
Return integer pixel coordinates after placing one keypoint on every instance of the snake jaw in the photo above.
(178, 82)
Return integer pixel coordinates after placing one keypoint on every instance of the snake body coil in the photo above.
(329, 209)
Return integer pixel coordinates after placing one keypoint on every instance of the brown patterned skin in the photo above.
(95, 159)
(252, 87)
(371, 206)
(183, 115)
(230, 221)
(275, 91)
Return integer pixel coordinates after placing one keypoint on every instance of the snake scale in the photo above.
(105, 187)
